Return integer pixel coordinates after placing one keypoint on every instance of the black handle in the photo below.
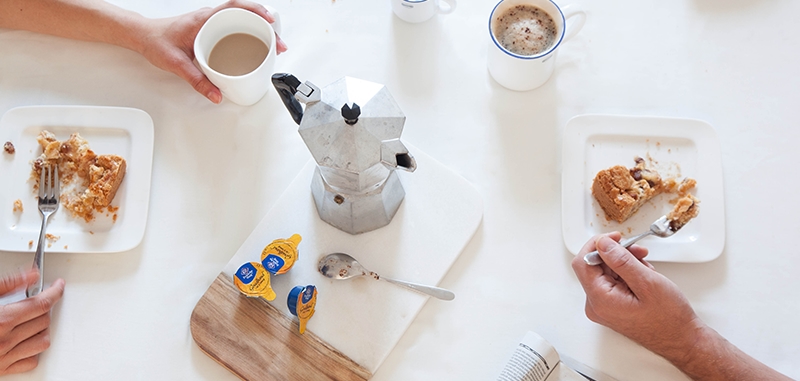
(287, 85)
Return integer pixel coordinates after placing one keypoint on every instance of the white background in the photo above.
(218, 169)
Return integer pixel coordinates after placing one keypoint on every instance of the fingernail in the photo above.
(605, 244)
(215, 97)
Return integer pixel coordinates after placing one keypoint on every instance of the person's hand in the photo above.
(626, 294)
(169, 44)
(25, 325)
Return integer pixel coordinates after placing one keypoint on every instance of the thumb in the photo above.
(17, 280)
(621, 261)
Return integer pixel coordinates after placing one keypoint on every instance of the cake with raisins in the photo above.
(621, 191)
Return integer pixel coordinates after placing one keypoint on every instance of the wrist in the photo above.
(691, 344)
(697, 349)
(132, 33)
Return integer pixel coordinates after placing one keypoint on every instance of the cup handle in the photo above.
(574, 27)
(277, 24)
(450, 9)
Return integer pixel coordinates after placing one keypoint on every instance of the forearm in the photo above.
(87, 20)
(714, 358)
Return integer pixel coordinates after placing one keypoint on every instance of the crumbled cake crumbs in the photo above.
(685, 209)
(686, 185)
(114, 218)
(89, 181)
(52, 238)
(620, 191)
(17, 205)
(9, 148)
(65, 247)
(30, 244)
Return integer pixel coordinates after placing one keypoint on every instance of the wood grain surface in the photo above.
(255, 341)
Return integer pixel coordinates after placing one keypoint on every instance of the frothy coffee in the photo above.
(524, 29)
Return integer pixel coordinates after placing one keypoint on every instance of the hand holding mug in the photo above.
(169, 43)
(236, 49)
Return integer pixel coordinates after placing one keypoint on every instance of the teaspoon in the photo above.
(343, 266)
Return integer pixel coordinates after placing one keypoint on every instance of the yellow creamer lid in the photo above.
(280, 255)
(253, 280)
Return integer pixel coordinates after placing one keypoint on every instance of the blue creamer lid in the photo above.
(301, 302)
(292, 299)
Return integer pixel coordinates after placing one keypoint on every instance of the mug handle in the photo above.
(277, 24)
(451, 3)
(573, 28)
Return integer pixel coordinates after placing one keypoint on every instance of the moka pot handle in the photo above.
(287, 85)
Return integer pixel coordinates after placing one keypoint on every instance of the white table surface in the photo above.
(730, 62)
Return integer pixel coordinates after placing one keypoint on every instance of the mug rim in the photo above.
(562, 32)
(414, 1)
(203, 61)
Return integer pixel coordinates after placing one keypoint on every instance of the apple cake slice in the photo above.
(621, 191)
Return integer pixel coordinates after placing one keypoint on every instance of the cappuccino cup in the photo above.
(524, 37)
(416, 11)
(236, 50)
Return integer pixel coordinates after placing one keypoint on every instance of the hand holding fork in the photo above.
(49, 193)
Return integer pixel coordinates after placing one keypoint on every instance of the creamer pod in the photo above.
(280, 255)
(253, 280)
(301, 303)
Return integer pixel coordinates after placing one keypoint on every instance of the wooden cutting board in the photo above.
(359, 321)
(255, 341)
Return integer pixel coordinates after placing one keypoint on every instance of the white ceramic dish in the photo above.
(110, 130)
(677, 147)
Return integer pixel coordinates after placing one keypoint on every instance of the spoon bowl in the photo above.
(342, 266)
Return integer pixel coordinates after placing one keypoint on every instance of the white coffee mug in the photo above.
(415, 11)
(244, 89)
(522, 73)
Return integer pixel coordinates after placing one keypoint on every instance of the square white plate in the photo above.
(110, 130)
(678, 148)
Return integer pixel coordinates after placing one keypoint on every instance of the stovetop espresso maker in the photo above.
(352, 128)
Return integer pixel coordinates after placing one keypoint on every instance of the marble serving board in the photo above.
(358, 321)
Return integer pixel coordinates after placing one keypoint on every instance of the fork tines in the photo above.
(49, 184)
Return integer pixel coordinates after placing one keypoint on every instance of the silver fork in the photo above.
(660, 228)
(49, 192)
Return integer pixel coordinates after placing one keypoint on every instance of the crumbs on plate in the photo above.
(17, 205)
(9, 148)
(89, 181)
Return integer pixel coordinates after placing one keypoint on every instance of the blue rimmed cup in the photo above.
(527, 72)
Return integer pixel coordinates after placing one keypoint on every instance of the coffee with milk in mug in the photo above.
(525, 29)
(238, 54)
